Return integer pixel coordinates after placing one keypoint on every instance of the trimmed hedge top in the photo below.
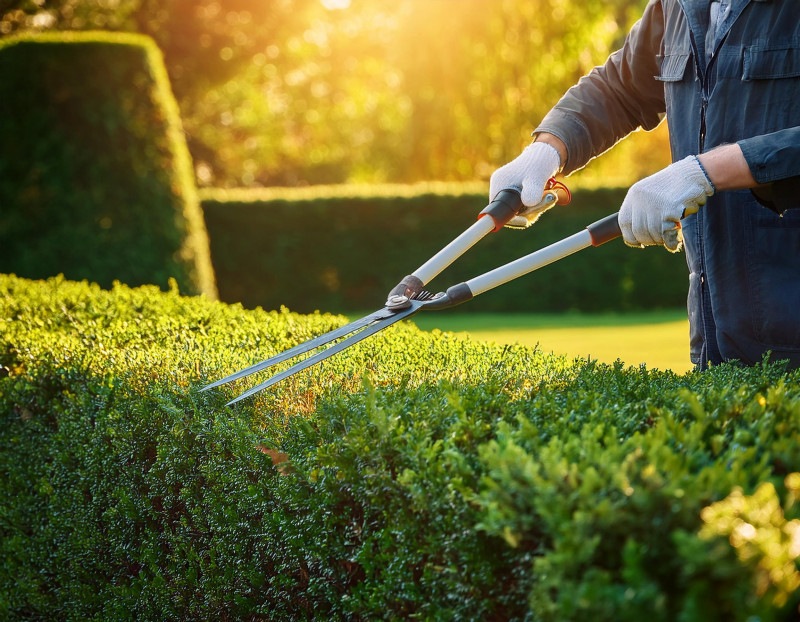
(96, 180)
(415, 476)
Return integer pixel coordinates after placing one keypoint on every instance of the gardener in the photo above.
(727, 74)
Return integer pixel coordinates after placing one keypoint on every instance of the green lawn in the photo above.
(659, 339)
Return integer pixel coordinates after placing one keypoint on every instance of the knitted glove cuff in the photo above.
(712, 187)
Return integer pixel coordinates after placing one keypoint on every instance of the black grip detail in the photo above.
(409, 286)
(454, 296)
(605, 230)
(459, 293)
(505, 206)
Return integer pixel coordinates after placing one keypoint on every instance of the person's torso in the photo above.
(749, 83)
(739, 81)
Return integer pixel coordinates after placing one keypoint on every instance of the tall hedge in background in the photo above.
(342, 248)
(95, 178)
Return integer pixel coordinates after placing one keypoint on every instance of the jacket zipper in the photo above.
(703, 119)
(702, 77)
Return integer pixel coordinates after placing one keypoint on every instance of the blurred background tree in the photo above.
(294, 92)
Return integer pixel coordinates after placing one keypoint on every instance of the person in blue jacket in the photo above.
(727, 75)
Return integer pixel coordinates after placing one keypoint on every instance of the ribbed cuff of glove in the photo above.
(652, 210)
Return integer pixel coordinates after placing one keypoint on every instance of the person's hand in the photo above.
(527, 174)
(652, 209)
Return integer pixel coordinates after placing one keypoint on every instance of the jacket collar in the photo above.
(696, 12)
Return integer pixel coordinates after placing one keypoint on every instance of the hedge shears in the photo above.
(409, 296)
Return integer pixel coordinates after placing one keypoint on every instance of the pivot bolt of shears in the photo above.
(395, 302)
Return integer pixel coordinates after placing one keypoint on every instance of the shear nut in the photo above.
(396, 302)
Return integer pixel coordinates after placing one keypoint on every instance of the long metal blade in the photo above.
(334, 349)
(306, 346)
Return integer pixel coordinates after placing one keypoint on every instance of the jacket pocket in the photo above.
(773, 267)
(681, 100)
(772, 63)
(673, 67)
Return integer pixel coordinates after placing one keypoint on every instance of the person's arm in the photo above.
(774, 162)
(774, 156)
(614, 99)
(727, 168)
(654, 206)
(602, 108)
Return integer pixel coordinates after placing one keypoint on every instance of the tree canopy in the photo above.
(293, 92)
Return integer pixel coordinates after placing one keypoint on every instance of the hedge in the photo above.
(343, 248)
(96, 180)
(416, 476)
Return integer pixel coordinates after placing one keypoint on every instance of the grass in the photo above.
(659, 339)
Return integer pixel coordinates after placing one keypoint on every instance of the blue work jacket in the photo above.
(743, 256)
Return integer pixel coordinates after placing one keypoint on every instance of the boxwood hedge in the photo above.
(96, 180)
(417, 476)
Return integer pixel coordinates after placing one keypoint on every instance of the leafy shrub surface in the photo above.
(96, 180)
(342, 248)
(418, 476)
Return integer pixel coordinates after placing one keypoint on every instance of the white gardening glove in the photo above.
(654, 206)
(527, 174)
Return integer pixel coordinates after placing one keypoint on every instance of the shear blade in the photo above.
(302, 348)
(370, 329)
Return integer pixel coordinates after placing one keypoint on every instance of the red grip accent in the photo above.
(561, 190)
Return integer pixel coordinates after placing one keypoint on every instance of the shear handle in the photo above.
(597, 233)
(505, 206)
(605, 229)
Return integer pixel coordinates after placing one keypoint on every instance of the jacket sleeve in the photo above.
(774, 159)
(775, 156)
(614, 99)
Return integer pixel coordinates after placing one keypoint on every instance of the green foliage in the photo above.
(284, 92)
(96, 182)
(343, 248)
(756, 526)
(415, 476)
(621, 507)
